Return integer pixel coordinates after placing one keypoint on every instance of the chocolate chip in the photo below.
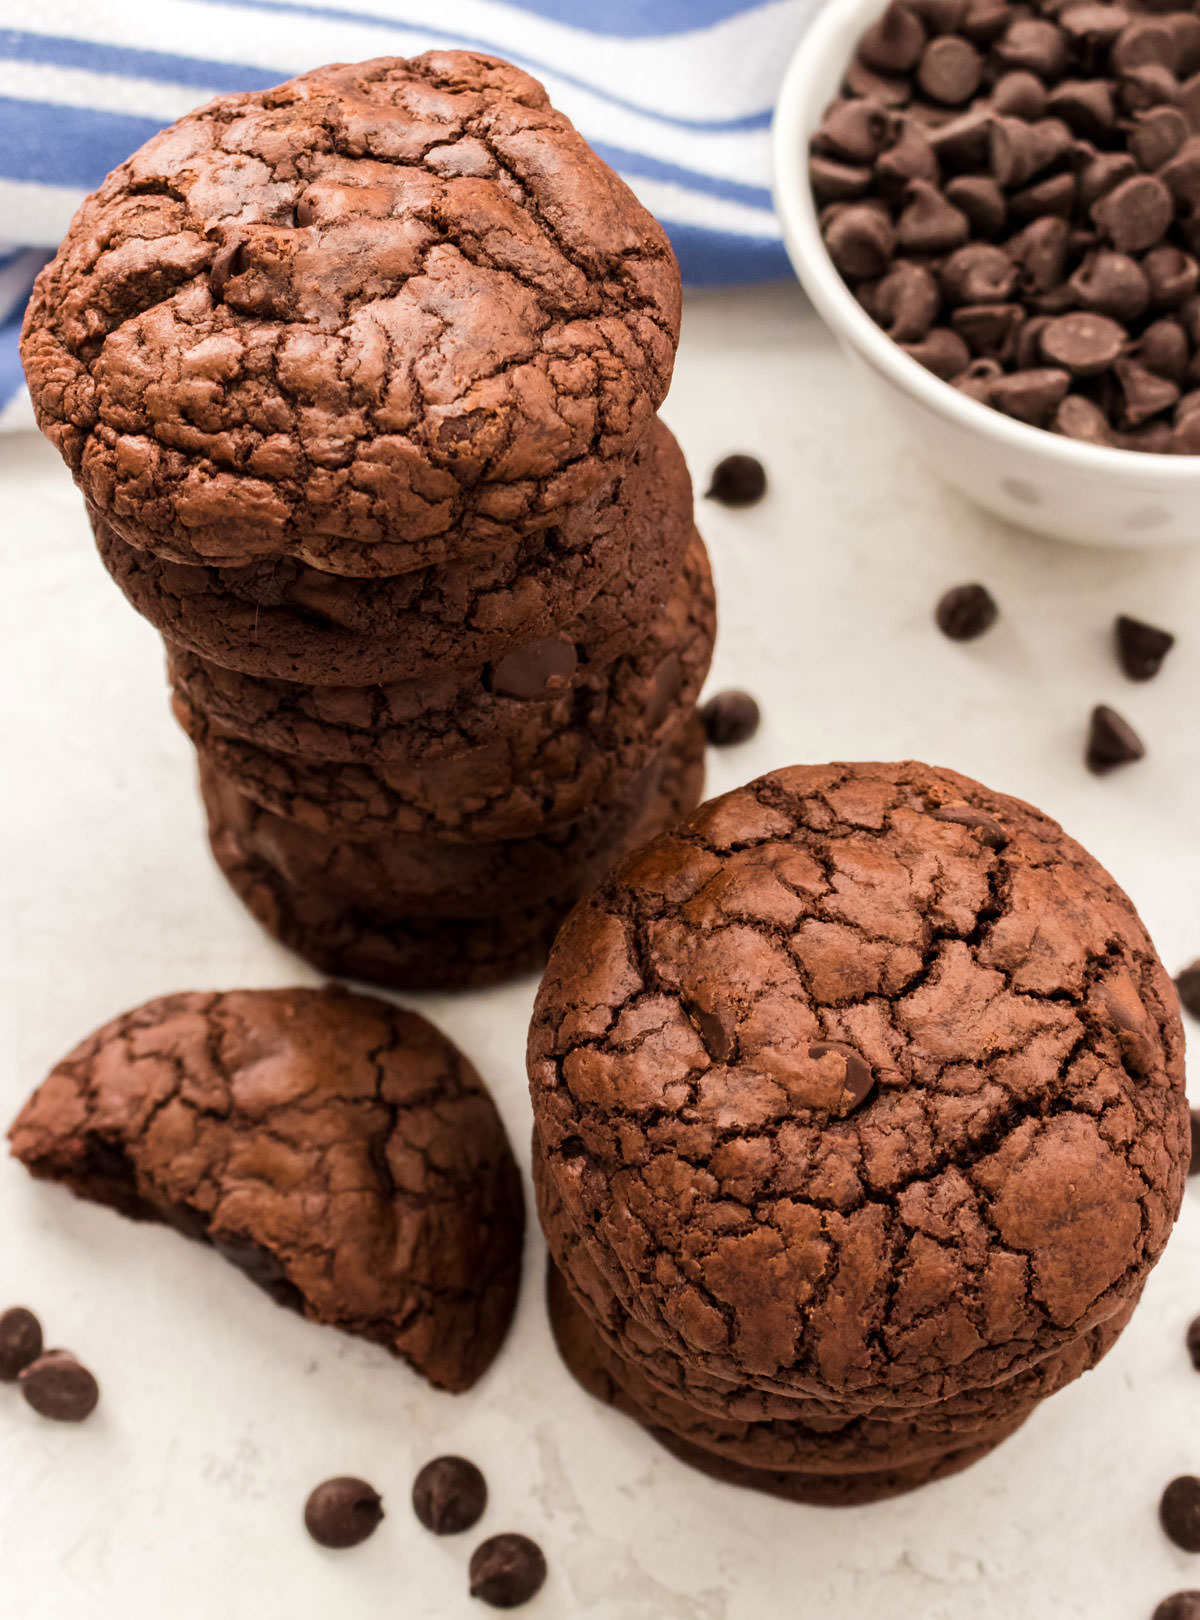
(965, 612)
(507, 1570)
(1085, 106)
(729, 717)
(962, 142)
(950, 70)
(1085, 343)
(306, 210)
(1142, 43)
(1179, 1606)
(1181, 174)
(449, 1495)
(855, 1075)
(985, 20)
(1041, 250)
(1028, 352)
(1135, 214)
(976, 381)
(20, 1341)
(1145, 394)
(891, 89)
(1093, 23)
(941, 351)
(1033, 43)
(990, 330)
(928, 223)
(1163, 349)
(1018, 151)
(1179, 1512)
(906, 301)
(1101, 173)
(1193, 1342)
(717, 1029)
(1157, 135)
(895, 42)
(832, 181)
(536, 671)
(978, 274)
(1187, 984)
(981, 200)
(854, 131)
(1082, 419)
(985, 827)
(1172, 276)
(229, 262)
(1111, 741)
(1149, 86)
(737, 480)
(1020, 94)
(1031, 396)
(940, 16)
(911, 158)
(59, 1387)
(343, 1512)
(1113, 284)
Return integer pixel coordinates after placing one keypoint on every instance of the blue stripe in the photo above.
(720, 259)
(652, 168)
(66, 146)
(758, 120)
(639, 19)
(17, 46)
(11, 375)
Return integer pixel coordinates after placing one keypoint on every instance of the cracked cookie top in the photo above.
(378, 316)
(338, 1149)
(864, 1082)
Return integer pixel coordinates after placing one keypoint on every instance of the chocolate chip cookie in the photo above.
(336, 1148)
(863, 1084)
(374, 318)
(280, 618)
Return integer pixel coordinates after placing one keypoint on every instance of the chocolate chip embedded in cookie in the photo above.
(337, 1149)
(375, 317)
(1003, 1187)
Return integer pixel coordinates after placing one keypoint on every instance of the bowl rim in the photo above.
(797, 111)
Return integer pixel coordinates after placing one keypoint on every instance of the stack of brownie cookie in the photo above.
(859, 1122)
(359, 379)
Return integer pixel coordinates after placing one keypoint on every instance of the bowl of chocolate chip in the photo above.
(995, 205)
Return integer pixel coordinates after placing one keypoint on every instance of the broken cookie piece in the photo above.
(337, 1149)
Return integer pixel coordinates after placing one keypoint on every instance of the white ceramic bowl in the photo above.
(1040, 480)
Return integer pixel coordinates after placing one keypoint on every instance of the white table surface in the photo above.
(181, 1498)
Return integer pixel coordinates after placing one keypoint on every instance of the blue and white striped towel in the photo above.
(676, 94)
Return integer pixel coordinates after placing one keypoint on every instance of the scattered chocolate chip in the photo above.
(449, 1495)
(1135, 214)
(1179, 1606)
(343, 1512)
(507, 1570)
(987, 828)
(229, 262)
(20, 1341)
(1141, 647)
(1031, 396)
(1187, 984)
(906, 301)
(1157, 135)
(989, 330)
(59, 1387)
(1111, 741)
(1019, 94)
(1112, 284)
(536, 671)
(1179, 1512)
(837, 182)
(1031, 42)
(1172, 276)
(737, 480)
(978, 274)
(965, 612)
(1145, 394)
(981, 200)
(717, 1029)
(854, 131)
(1193, 1342)
(1086, 107)
(928, 223)
(976, 381)
(729, 717)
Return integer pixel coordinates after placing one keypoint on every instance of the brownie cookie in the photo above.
(522, 782)
(865, 1084)
(337, 1149)
(418, 877)
(839, 1444)
(280, 618)
(601, 678)
(374, 318)
(417, 952)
